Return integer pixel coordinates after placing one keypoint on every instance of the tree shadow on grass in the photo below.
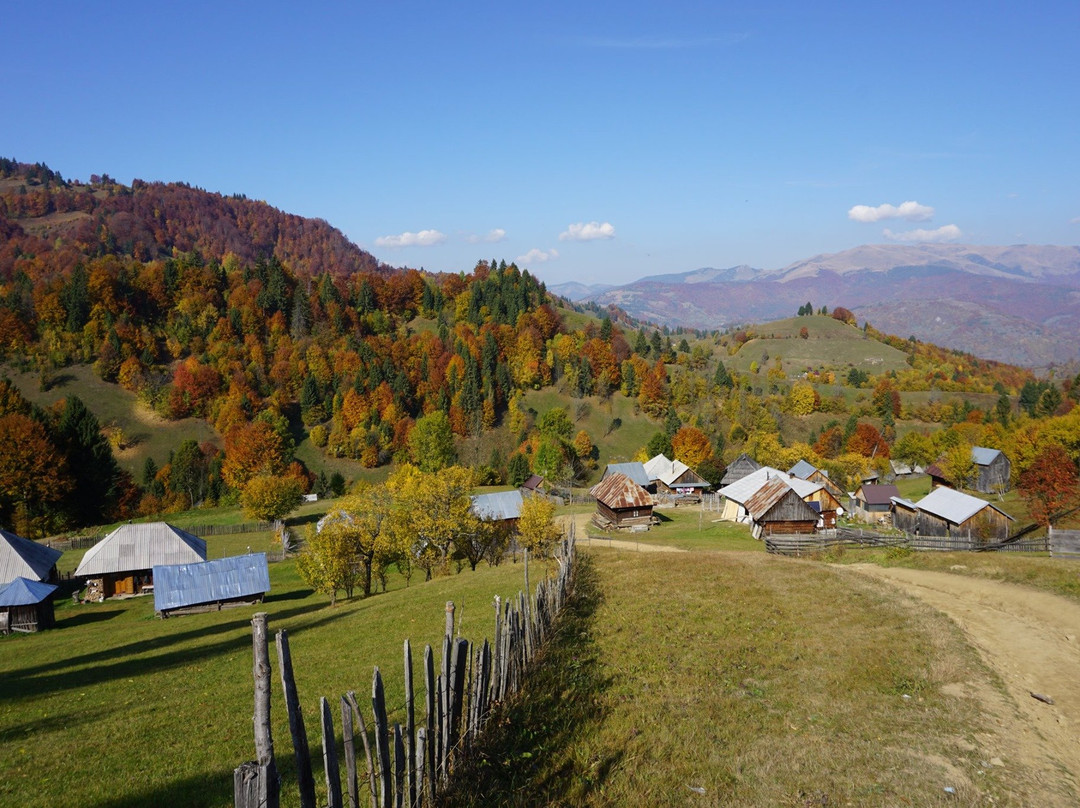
(522, 758)
(209, 790)
(148, 656)
(85, 618)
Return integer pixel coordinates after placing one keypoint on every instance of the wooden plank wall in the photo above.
(1064, 543)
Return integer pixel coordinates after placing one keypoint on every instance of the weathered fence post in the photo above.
(382, 751)
(431, 736)
(330, 761)
(349, 738)
(410, 725)
(400, 764)
(450, 619)
(351, 696)
(420, 763)
(258, 783)
(296, 723)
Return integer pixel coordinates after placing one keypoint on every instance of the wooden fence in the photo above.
(406, 766)
(858, 537)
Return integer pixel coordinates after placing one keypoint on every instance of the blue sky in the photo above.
(597, 142)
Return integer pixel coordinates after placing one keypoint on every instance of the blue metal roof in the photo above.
(178, 585)
(24, 592)
(802, 470)
(635, 471)
(499, 506)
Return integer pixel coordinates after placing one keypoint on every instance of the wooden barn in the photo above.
(620, 502)
(26, 606)
(122, 563)
(23, 558)
(776, 508)
(675, 477)
(873, 501)
(740, 467)
(992, 469)
(947, 512)
(210, 585)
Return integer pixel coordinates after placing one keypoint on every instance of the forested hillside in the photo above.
(276, 330)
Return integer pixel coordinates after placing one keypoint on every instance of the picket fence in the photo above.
(406, 766)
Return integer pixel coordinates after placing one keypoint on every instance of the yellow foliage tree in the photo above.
(536, 527)
(270, 497)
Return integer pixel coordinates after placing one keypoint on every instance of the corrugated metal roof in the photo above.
(766, 496)
(141, 547)
(618, 491)
(874, 494)
(24, 592)
(745, 488)
(635, 471)
(22, 558)
(983, 456)
(802, 470)
(498, 506)
(179, 585)
(954, 506)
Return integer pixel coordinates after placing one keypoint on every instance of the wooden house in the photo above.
(26, 605)
(122, 563)
(873, 501)
(210, 585)
(502, 506)
(621, 502)
(992, 469)
(737, 495)
(776, 508)
(23, 558)
(739, 468)
(948, 512)
(674, 477)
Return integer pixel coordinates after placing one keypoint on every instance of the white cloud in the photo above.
(425, 238)
(536, 256)
(947, 232)
(492, 236)
(910, 211)
(590, 231)
(1074, 220)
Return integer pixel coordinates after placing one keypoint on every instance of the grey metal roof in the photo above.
(498, 506)
(742, 490)
(635, 471)
(983, 456)
(954, 506)
(904, 503)
(24, 592)
(22, 558)
(141, 547)
(178, 585)
(802, 469)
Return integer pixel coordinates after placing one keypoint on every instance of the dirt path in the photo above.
(1031, 640)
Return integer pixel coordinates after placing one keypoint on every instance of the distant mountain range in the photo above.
(1017, 304)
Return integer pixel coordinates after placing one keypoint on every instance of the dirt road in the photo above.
(1031, 640)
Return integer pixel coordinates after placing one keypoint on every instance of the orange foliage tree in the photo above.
(691, 446)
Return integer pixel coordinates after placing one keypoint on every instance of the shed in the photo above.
(26, 605)
(502, 506)
(621, 502)
(993, 469)
(873, 501)
(674, 477)
(948, 512)
(122, 563)
(23, 558)
(739, 468)
(905, 515)
(635, 471)
(210, 585)
(777, 508)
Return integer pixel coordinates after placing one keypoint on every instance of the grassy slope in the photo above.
(117, 708)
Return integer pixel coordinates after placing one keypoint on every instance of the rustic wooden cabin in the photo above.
(947, 512)
(210, 585)
(993, 470)
(122, 563)
(23, 558)
(621, 503)
(873, 501)
(739, 468)
(26, 606)
(675, 477)
(737, 495)
(776, 508)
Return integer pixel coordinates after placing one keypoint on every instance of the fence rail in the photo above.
(800, 544)
(406, 765)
